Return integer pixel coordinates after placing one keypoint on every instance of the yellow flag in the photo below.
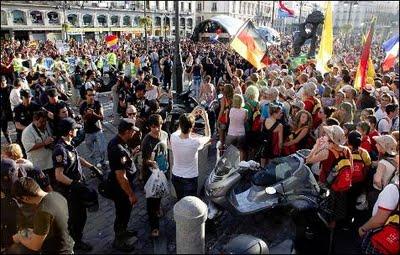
(326, 45)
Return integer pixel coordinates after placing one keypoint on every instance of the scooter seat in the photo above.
(263, 179)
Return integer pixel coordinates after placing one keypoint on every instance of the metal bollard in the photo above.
(190, 214)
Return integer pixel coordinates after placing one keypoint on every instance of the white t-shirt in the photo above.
(388, 199)
(379, 114)
(40, 158)
(15, 98)
(185, 153)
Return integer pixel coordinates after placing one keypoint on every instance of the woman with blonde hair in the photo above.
(13, 151)
(300, 137)
(236, 130)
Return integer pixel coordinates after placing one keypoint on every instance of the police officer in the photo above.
(54, 105)
(69, 176)
(23, 114)
(121, 176)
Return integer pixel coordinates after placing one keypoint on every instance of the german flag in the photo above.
(251, 46)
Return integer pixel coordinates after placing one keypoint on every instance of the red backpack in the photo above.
(341, 172)
(359, 167)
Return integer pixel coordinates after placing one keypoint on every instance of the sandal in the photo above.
(155, 233)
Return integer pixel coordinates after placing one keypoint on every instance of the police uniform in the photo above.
(120, 158)
(66, 156)
(24, 115)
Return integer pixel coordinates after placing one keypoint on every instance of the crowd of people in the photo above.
(50, 92)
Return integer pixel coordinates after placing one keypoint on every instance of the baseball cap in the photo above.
(67, 124)
(127, 124)
(9, 174)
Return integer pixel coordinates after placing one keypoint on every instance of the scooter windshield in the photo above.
(230, 160)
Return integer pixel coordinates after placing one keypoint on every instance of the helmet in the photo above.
(246, 244)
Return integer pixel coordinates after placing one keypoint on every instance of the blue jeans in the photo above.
(96, 144)
(184, 186)
(196, 86)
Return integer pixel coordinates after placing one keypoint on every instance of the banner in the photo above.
(391, 48)
(326, 45)
(361, 75)
(111, 40)
(250, 45)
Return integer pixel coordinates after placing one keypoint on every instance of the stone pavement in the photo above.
(273, 227)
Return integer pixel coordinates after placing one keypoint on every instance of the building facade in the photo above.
(356, 14)
(259, 11)
(40, 20)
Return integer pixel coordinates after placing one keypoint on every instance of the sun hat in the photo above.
(310, 88)
(369, 88)
(335, 134)
(297, 103)
(388, 143)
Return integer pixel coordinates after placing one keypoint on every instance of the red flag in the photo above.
(363, 65)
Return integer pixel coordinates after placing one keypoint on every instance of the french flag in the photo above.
(391, 48)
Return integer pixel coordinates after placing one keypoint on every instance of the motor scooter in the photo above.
(285, 182)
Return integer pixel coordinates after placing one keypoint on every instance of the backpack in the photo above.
(359, 169)
(340, 176)
(254, 122)
(160, 155)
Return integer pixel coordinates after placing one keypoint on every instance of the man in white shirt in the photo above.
(37, 140)
(381, 112)
(385, 125)
(15, 97)
(185, 147)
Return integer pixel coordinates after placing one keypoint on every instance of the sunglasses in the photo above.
(90, 95)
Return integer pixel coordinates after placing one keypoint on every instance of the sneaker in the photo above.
(123, 245)
(82, 246)
(98, 165)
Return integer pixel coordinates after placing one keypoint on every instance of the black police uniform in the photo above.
(120, 158)
(53, 108)
(126, 95)
(66, 157)
(24, 115)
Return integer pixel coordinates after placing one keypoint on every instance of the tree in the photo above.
(145, 21)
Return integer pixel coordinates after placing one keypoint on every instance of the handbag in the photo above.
(387, 239)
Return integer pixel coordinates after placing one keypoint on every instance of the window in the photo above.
(158, 21)
(182, 22)
(126, 21)
(114, 20)
(148, 5)
(102, 20)
(157, 5)
(166, 5)
(87, 20)
(189, 22)
(36, 17)
(19, 17)
(53, 18)
(182, 6)
(199, 7)
(198, 20)
(214, 7)
(73, 19)
(190, 7)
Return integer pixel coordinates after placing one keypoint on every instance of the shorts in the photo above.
(238, 141)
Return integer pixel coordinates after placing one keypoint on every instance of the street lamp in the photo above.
(64, 5)
(351, 3)
(145, 27)
(177, 56)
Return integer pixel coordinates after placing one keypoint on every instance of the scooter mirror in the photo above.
(270, 190)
